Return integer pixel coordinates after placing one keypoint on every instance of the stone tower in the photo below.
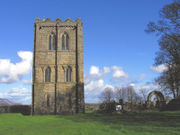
(58, 85)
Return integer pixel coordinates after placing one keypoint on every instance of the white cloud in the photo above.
(118, 73)
(93, 90)
(20, 95)
(94, 70)
(132, 84)
(159, 69)
(107, 70)
(95, 74)
(10, 72)
(27, 82)
(95, 81)
(94, 85)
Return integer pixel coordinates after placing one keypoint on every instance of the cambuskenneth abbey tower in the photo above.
(58, 85)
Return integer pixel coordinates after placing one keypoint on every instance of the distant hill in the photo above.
(6, 102)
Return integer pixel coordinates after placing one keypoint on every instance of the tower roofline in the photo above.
(58, 20)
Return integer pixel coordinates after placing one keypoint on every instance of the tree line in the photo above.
(127, 94)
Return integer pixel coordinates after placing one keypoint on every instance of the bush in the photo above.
(107, 107)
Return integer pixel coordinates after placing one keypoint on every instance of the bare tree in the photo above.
(144, 93)
(131, 93)
(120, 93)
(107, 95)
(133, 97)
(137, 98)
(127, 94)
(168, 28)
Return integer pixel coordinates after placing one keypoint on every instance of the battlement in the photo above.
(58, 20)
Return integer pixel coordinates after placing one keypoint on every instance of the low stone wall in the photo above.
(91, 107)
(23, 109)
(4, 109)
(174, 104)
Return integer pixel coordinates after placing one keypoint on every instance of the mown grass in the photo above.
(157, 123)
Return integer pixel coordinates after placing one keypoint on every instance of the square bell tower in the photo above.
(58, 85)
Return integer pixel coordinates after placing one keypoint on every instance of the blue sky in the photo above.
(113, 38)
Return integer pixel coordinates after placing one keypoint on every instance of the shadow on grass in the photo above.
(154, 119)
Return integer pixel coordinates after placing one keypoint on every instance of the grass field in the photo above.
(157, 123)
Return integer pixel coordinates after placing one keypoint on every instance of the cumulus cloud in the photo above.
(159, 69)
(118, 73)
(94, 70)
(107, 70)
(10, 72)
(93, 90)
(95, 80)
(20, 95)
(132, 84)
(94, 85)
(94, 73)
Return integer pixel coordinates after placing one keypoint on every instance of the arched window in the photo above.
(52, 42)
(63, 48)
(49, 42)
(65, 41)
(48, 74)
(68, 74)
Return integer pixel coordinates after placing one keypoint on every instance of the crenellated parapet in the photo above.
(58, 21)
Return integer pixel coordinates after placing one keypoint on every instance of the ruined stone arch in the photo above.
(158, 94)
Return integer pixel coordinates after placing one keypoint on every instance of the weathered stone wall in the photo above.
(57, 96)
(23, 109)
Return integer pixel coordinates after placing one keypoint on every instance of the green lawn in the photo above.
(159, 123)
